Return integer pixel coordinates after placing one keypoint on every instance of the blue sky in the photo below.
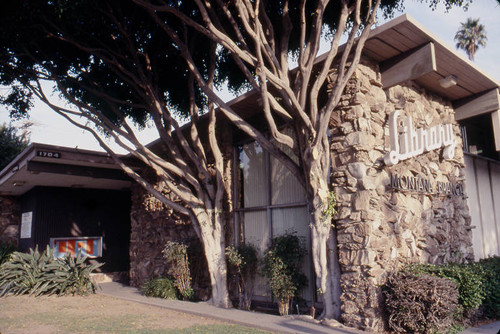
(51, 128)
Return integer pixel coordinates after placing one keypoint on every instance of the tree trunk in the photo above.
(284, 306)
(213, 240)
(323, 237)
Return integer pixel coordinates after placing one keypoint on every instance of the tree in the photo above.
(120, 61)
(11, 144)
(470, 37)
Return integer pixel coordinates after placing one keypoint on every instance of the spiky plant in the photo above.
(29, 273)
(73, 275)
(36, 273)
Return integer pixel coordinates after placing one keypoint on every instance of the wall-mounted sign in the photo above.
(48, 154)
(88, 246)
(407, 142)
(425, 186)
(26, 222)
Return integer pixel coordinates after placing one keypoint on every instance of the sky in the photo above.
(50, 128)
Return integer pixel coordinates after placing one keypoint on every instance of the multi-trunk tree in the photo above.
(117, 62)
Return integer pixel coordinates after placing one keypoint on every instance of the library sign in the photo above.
(426, 186)
(407, 142)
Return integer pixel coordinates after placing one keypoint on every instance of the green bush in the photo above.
(73, 275)
(5, 251)
(420, 303)
(160, 287)
(29, 273)
(489, 269)
(282, 269)
(38, 273)
(177, 254)
(469, 280)
(244, 260)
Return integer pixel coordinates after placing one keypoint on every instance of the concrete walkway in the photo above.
(493, 328)
(272, 323)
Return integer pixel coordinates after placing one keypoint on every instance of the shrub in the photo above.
(38, 273)
(160, 287)
(73, 275)
(282, 269)
(420, 303)
(176, 253)
(5, 251)
(470, 282)
(490, 271)
(244, 260)
(29, 273)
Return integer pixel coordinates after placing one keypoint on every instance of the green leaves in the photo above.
(36, 273)
(11, 144)
(282, 269)
(160, 287)
(5, 251)
(469, 281)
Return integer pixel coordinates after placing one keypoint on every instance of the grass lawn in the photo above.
(101, 314)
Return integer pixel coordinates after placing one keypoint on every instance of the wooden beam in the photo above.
(413, 66)
(76, 170)
(483, 104)
(495, 119)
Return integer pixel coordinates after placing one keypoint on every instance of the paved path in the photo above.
(272, 323)
(493, 328)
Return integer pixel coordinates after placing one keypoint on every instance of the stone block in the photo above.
(363, 140)
(357, 169)
(356, 216)
(362, 200)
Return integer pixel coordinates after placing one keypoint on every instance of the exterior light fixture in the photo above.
(449, 81)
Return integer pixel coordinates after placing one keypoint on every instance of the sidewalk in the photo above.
(272, 323)
(493, 328)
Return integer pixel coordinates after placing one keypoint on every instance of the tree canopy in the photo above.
(11, 143)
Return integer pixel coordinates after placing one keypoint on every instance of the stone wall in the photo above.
(10, 218)
(379, 228)
(152, 225)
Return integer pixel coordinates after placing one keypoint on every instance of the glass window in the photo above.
(477, 136)
(253, 169)
(284, 185)
(271, 202)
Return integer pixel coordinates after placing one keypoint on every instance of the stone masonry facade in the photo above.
(152, 225)
(380, 229)
(10, 219)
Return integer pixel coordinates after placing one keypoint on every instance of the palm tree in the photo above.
(470, 36)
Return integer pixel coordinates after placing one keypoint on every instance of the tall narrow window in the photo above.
(271, 202)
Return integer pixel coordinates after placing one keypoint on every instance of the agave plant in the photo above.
(29, 273)
(36, 273)
(73, 275)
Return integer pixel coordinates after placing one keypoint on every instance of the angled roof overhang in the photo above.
(396, 40)
(405, 50)
(56, 166)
